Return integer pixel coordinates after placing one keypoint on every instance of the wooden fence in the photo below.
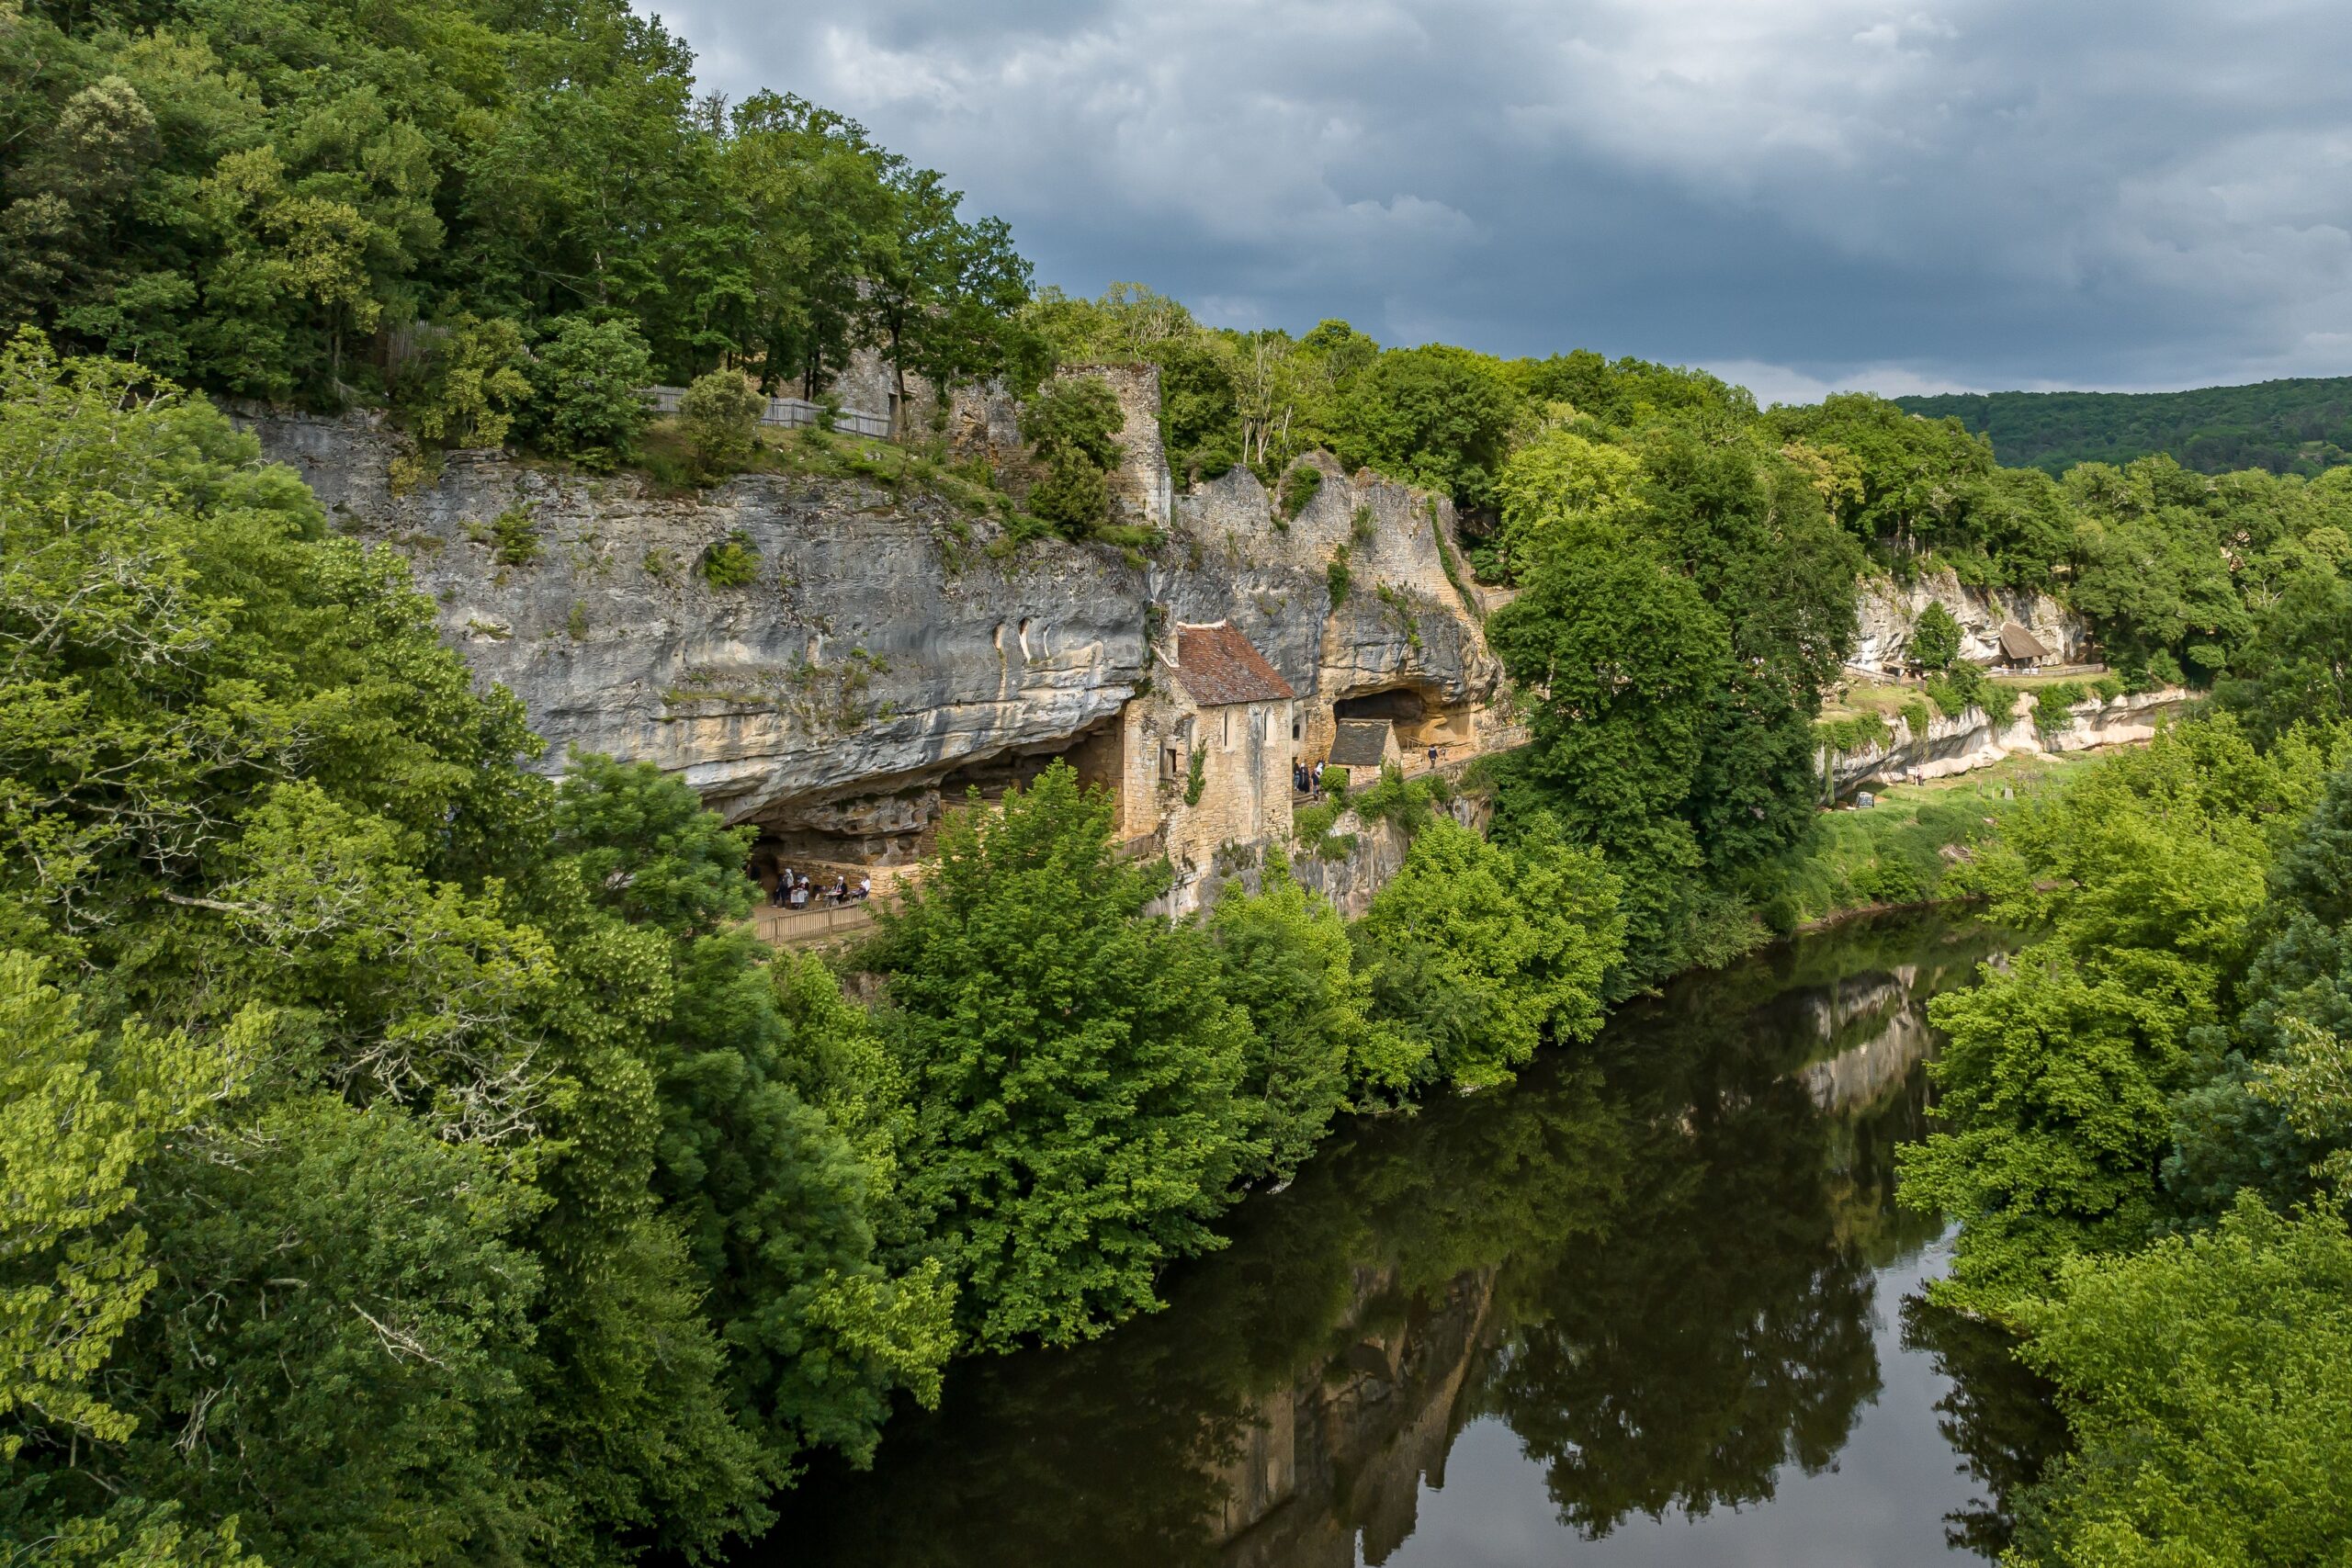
(796, 928)
(789, 413)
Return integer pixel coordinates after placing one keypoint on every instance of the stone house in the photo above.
(1206, 750)
(1364, 746)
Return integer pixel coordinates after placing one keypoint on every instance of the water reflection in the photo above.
(1654, 1265)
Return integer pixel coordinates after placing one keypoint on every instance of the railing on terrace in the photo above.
(792, 928)
(787, 413)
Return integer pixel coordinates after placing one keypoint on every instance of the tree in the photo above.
(2064, 1075)
(2205, 1381)
(1506, 945)
(1073, 425)
(79, 1117)
(588, 384)
(1072, 1065)
(1282, 958)
(1559, 483)
(777, 1194)
(1935, 637)
(1435, 416)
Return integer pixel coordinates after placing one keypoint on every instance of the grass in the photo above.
(926, 468)
(1893, 853)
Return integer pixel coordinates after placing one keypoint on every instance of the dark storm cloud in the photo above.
(1798, 192)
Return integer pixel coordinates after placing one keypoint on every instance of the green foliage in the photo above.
(587, 399)
(2298, 666)
(476, 1210)
(1284, 961)
(471, 384)
(1680, 668)
(1476, 953)
(720, 416)
(1336, 578)
(1396, 799)
(730, 562)
(79, 1116)
(1196, 777)
(1070, 1066)
(1073, 425)
(1558, 484)
(2206, 1382)
(2289, 426)
(1935, 637)
(2053, 705)
(295, 200)
(1905, 849)
(1435, 416)
(1854, 732)
(515, 536)
(1334, 780)
(2059, 1084)
(1299, 487)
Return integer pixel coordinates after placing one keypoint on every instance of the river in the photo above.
(1652, 1304)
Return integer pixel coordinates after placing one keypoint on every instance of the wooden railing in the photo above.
(789, 413)
(795, 928)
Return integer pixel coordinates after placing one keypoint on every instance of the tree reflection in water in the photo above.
(1652, 1259)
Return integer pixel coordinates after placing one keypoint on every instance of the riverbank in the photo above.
(1897, 852)
(1653, 1298)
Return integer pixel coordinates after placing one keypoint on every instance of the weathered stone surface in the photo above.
(1884, 617)
(882, 646)
(1972, 740)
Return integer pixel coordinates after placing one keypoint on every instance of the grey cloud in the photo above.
(1829, 192)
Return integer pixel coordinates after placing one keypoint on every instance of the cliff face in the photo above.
(1885, 611)
(1972, 740)
(888, 646)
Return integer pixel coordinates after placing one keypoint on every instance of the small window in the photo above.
(1167, 762)
(1228, 727)
(1296, 730)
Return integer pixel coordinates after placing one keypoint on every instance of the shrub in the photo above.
(1916, 715)
(1364, 524)
(732, 562)
(1393, 799)
(1196, 776)
(587, 382)
(1072, 424)
(720, 416)
(1335, 579)
(2052, 703)
(515, 536)
(1072, 497)
(1334, 780)
(1299, 486)
(2107, 687)
(1858, 733)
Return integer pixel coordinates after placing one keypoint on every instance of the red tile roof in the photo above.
(1218, 666)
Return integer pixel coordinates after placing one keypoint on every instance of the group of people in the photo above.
(792, 892)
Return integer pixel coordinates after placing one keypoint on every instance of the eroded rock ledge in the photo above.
(891, 649)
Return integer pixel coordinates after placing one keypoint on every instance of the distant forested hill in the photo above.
(2298, 427)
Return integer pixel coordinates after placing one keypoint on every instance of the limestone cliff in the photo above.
(888, 646)
(1887, 609)
(1972, 741)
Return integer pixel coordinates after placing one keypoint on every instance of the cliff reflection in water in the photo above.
(1652, 1259)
